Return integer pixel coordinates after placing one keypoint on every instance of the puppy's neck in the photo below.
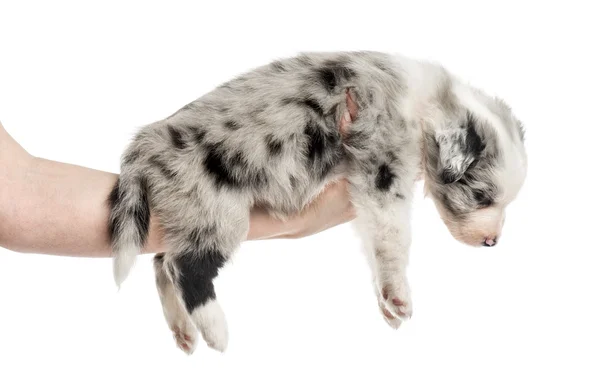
(426, 102)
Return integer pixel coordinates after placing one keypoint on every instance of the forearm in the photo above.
(57, 208)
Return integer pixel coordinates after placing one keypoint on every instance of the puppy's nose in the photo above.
(489, 242)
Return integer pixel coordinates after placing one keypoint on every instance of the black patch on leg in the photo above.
(176, 138)
(195, 278)
(384, 178)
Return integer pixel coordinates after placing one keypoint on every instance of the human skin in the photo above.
(54, 208)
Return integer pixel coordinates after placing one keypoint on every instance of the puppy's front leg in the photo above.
(383, 219)
(391, 243)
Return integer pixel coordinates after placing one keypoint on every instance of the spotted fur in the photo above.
(271, 137)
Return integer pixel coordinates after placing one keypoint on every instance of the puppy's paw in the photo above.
(216, 336)
(392, 320)
(395, 303)
(186, 337)
(210, 321)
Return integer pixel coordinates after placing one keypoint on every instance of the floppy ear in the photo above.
(459, 147)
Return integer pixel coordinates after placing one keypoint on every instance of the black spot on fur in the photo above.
(232, 169)
(232, 125)
(155, 161)
(199, 136)
(400, 196)
(215, 164)
(327, 77)
(474, 144)
(314, 105)
(316, 141)
(308, 102)
(141, 210)
(176, 137)
(274, 145)
(197, 269)
(323, 148)
(334, 73)
(385, 178)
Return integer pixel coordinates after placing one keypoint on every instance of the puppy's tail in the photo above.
(129, 222)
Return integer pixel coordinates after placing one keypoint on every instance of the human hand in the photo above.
(331, 208)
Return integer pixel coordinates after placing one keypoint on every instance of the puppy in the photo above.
(271, 137)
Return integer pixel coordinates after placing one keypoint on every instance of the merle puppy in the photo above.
(270, 137)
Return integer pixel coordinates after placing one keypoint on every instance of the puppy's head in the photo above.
(475, 163)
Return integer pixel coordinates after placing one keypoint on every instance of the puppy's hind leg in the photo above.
(194, 272)
(184, 332)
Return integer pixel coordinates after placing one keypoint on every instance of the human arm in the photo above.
(57, 208)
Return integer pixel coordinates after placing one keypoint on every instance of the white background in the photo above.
(76, 80)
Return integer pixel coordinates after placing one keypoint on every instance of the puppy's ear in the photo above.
(459, 147)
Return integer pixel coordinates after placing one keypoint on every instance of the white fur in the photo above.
(210, 320)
